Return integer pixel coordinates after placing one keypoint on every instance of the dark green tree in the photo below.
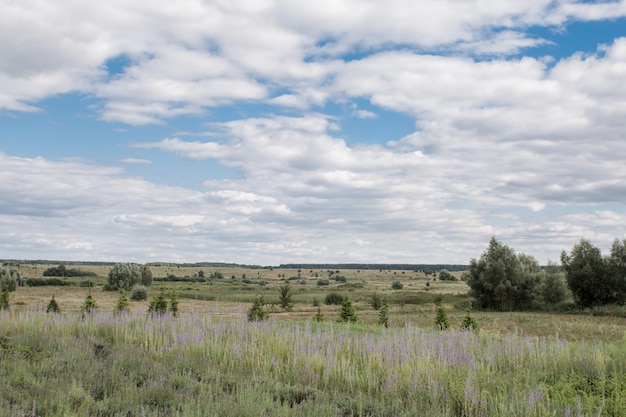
(174, 303)
(617, 270)
(383, 314)
(587, 275)
(146, 275)
(4, 299)
(502, 280)
(286, 297)
(553, 288)
(158, 305)
(89, 306)
(122, 304)
(258, 312)
(53, 306)
(124, 276)
(347, 314)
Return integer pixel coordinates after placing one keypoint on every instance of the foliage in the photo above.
(397, 285)
(333, 298)
(502, 280)
(286, 297)
(319, 316)
(445, 275)
(158, 305)
(376, 301)
(589, 275)
(122, 304)
(62, 271)
(124, 276)
(322, 282)
(553, 288)
(41, 282)
(89, 306)
(383, 314)
(347, 314)
(146, 275)
(53, 306)
(174, 303)
(4, 298)
(10, 278)
(441, 317)
(139, 293)
(258, 312)
(469, 323)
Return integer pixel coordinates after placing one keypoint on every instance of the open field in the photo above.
(209, 361)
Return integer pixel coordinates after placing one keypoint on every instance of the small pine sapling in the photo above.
(347, 313)
(90, 306)
(174, 303)
(257, 312)
(158, 305)
(122, 305)
(53, 306)
(469, 323)
(319, 316)
(383, 314)
(441, 318)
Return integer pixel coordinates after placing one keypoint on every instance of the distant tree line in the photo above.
(503, 280)
(427, 268)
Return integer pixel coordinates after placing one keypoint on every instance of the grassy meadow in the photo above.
(209, 361)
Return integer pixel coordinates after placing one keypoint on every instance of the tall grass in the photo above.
(198, 365)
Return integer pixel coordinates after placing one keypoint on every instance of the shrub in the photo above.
(122, 303)
(347, 313)
(158, 305)
(340, 278)
(53, 306)
(376, 301)
(89, 306)
(257, 312)
(40, 282)
(441, 318)
(174, 303)
(286, 296)
(4, 298)
(397, 285)
(321, 282)
(319, 316)
(62, 271)
(333, 299)
(469, 323)
(146, 275)
(316, 302)
(124, 276)
(139, 293)
(10, 278)
(383, 315)
(445, 275)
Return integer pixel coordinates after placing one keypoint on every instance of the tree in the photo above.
(347, 313)
(174, 303)
(286, 297)
(319, 316)
(383, 314)
(502, 280)
(124, 276)
(158, 305)
(10, 278)
(617, 270)
(593, 279)
(122, 303)
(257, 312)
(89, 306)
(53, 306)
(4, 298)
(553, 288)
(146, 275)
(441, 317)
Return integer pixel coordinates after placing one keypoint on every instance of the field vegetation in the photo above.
(205, 340)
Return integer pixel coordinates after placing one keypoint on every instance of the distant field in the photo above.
(233, 295)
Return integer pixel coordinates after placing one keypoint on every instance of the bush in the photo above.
(321, 282)
(124, 276)
(158, 305)
(469, 323)
(333, 299)
(62, 271)
(146, 275)
(40, 282)
(10, 278)
(89, 306)
(286, 297)
(383, 315)
(139, 293)
(441, 318)
(340, 278)
(122, 303)
(376, 301)
(445, 275)
(347, 313)
(397, 285)
(53, 306)
(257, 312)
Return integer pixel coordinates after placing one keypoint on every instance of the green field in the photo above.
(210, 361)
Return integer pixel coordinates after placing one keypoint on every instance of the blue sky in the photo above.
(337, 131)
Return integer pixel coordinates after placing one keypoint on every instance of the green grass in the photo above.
(199, 365)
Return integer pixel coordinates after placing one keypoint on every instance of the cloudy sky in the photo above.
(275, 131)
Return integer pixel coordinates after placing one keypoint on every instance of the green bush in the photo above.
(158, 305)
(322, 282)
(53, 306)
(376, 301)
(347, 313)
(333, 299)
(257, 312)
(397, 285)
(124, 276)
(139, 293)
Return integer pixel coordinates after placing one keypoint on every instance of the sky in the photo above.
(332, 131)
